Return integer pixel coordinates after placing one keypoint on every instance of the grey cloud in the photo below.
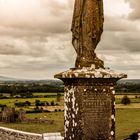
(135, 6)
(39, 19)
(58, 47)
(120, 34)
(119, 24)
(131, 41)
(38, 53)
(31, 67)
(121, 60)
(19, 46)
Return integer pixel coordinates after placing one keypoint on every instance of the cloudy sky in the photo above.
(35, 37)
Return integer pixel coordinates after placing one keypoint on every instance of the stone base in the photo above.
(89, 103)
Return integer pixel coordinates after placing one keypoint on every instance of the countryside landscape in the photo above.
(40, 104)
(97, 41)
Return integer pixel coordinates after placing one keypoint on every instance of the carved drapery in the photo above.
(87, 27)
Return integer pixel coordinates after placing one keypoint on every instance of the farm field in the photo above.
(127, 116)
(10, 102)
(127, 122)
(133, 98)
(52, 97)
(42, 97)
(57, 126)
(130, 106)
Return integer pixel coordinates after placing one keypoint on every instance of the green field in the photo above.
(10, 102)
(50, 97)
(133, 100)
(40, 127)
(127, 122)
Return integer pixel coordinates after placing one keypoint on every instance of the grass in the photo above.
(44, 93)
(10, 102)
(128, 93)
(131, 106)
(40, 127)
(130, 96)
(50, 97)
(127, 122)
(118, 99)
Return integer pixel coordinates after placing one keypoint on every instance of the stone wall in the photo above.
(10, 134)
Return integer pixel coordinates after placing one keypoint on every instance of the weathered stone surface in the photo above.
(87, 27)
(89, 103)
(90, 72)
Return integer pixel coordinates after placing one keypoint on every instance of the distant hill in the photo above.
(54, 81)
(8, 84)
(129, 81)
(128, 85)
(3, 78)
(12, 85)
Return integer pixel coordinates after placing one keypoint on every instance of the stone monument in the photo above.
(89, 97)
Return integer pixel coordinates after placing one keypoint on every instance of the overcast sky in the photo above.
(35, 37)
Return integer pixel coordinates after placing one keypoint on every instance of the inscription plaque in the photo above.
(96, 113)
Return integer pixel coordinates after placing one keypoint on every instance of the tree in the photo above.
(58, 97)
(29, 94)
(125, 100)
(36, 108)
(52, 103)
(37, 102)
(28, 103)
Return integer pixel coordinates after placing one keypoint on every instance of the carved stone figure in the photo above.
(87, 27)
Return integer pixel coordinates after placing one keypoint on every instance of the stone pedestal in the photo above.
(89, 103)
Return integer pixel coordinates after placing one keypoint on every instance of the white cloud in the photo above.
(117, 8)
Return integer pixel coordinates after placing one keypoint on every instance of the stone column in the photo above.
(89, 103)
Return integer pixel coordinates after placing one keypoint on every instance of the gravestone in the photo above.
(89, 97)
